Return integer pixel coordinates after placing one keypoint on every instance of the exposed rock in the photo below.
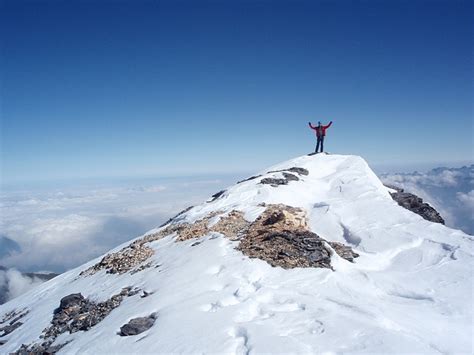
(233, 226)
(290, 177)
(75, 313)
(138, 325)
(281, 237)
(274, 181)
(299, 171)
(40, 349)
(287, 177)
(250, 178)
(216, 196)
(175, 217)
(123, 260)
(415, 204)
(11, 321)
(344, 251)
(71, 300)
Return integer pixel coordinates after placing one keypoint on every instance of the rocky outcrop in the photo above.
(132, 257)
(75, 313)
(274, 181)
(122, 261)
(216, 196)
(415, 204)
(281, 237)
(11, 321)
(299, 171)
(138, 325)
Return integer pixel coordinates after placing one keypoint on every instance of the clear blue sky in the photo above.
(107, 88)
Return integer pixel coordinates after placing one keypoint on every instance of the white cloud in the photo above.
(60, 228)
(448, 190)
(467, 199)
(13, 283)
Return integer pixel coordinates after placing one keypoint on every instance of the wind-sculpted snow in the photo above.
(409, 291)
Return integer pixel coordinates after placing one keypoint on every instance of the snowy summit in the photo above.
(312, 255)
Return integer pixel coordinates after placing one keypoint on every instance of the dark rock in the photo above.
(299, 171)
(12, 321)
(10, 328)
(70, 300)
(281, 237)
(175, 217)
(216, 196)
(344, 251)
(290, 177)
(250, 178)
(415, 204)
(274, 181)
(75, 313)
(274, 218)
(138, 325)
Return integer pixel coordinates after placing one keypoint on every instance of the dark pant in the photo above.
(320, 141)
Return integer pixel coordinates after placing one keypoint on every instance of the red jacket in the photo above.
(320, 130)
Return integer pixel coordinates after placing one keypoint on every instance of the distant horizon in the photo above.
(378, 168)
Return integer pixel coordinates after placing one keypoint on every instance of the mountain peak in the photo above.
(310, 255)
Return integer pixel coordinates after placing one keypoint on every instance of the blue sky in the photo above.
(117, 88)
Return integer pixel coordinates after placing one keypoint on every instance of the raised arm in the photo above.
(311, 126)
(329, 125)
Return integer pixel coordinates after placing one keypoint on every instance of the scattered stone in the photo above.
(415, 204)
(12, 321)
(233, 226)
(40, 349)
(141, 268)
(123, 260)
(10, 328)
(75, 313)
(138, 325)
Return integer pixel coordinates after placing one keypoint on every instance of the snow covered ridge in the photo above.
(313, 259)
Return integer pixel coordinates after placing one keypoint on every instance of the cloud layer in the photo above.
(448, 190)
(56, 229)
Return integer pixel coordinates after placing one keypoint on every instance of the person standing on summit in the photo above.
(320, 134)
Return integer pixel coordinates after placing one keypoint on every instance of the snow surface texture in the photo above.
(409, 291)
(449, 190)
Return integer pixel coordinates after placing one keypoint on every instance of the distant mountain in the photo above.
(449, 190)
(312, 255)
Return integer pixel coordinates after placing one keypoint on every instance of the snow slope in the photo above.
(409, 291)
